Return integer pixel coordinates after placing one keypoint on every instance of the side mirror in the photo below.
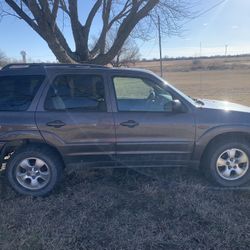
(178, 107)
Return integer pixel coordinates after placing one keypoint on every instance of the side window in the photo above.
(131, 88)
(77, 93)
(138, 94)
(17, 92)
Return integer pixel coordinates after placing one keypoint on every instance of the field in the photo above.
(222, 79)
(140, 208)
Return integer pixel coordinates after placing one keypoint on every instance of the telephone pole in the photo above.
(226, 47)
(160, 46)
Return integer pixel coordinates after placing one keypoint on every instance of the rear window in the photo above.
(17, 92)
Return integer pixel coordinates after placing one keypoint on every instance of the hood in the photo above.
(224, 105)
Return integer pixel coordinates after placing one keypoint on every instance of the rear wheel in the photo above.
(34, 171)
(227, 163)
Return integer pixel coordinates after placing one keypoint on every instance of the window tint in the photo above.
(17, 92)
(137, 94)
(77, 93)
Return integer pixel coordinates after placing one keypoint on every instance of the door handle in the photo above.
(56, 124)
(129, 123)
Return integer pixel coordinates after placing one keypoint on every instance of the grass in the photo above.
(145, 209)
(230, 83)
(138, 208)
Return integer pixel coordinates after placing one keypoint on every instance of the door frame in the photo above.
(53, 73)
(156, 80)
(144, 75)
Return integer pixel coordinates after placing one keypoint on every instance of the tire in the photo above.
(222, 168)
(34, 171)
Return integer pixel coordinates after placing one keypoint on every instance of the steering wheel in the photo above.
(152, 96)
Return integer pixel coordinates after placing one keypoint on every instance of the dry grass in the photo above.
(195, 64)
(149, 209)
(144, 209)
(231, 84)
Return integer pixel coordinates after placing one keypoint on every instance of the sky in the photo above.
(227, 24)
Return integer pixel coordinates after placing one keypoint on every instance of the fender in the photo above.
(211, 133)
(18, 135)
(16, 138)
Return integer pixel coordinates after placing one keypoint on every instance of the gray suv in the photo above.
(54, 116)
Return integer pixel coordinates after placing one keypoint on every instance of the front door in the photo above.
(74, 115)
(147, 128)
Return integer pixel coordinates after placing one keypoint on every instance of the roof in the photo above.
(40, 68)
(46, 65)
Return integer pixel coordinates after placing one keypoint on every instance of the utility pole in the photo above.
(23, 54)
(160, 47)
(200, 49)
(226, 47)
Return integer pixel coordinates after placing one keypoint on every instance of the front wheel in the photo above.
(34, 171)
(227, 163)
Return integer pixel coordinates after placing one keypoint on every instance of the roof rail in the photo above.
(45, 65)
(15, 66)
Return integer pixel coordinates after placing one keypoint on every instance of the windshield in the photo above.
(193, 101)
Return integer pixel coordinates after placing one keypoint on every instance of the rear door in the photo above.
(147, 129)
(75, 115)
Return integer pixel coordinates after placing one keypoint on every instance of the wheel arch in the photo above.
(12, 146)
(227, 135)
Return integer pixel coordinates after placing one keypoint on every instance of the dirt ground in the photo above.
(137, 209)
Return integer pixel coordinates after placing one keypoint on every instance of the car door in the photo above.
(74, 114)
(147, 129)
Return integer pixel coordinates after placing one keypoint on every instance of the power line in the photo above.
(205, 11)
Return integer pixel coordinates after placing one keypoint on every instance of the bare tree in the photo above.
(137, 17)
(2, 56)
(127, 55)
(3, 59)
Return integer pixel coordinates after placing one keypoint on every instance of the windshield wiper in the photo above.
(198, 101)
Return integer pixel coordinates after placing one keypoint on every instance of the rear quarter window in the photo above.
(17, 92)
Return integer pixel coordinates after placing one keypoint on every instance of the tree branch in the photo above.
(52, 35)
(92, 14)
(100, 44)
(120, 16)
(23, 15)
(64, 7)
(125, 29)
(79, 33)
(55, 10)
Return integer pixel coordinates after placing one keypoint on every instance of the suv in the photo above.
(54, 116)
